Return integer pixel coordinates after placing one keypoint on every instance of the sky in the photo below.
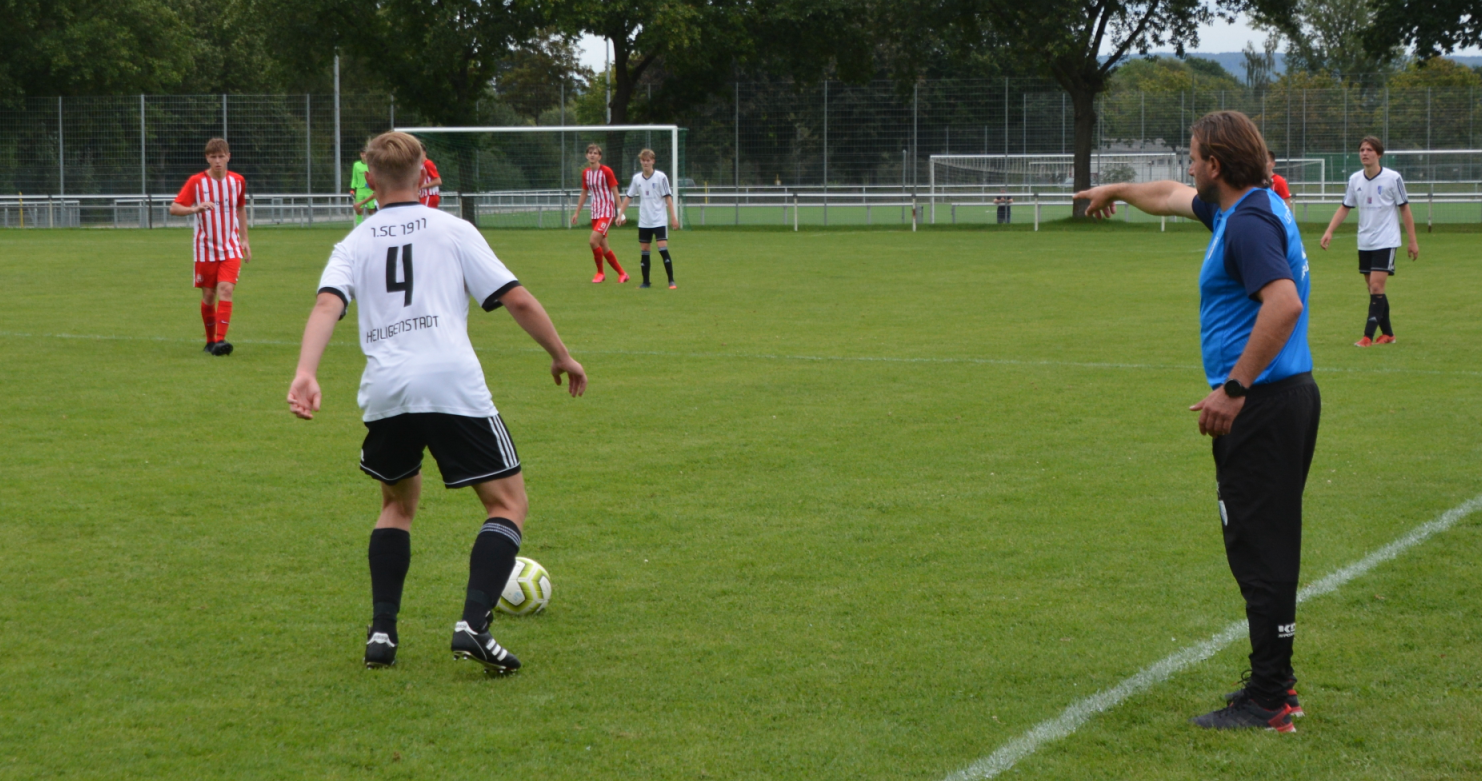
(1213, 39)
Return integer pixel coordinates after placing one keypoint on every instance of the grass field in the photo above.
(845, 505)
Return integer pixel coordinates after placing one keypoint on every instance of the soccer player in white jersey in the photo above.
(598, 181)
(412, 269)
(1379, 195)
(652, 186)
(217, 198)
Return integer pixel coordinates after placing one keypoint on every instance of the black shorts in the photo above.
(647, 235)
(1377, 260)
(468, 450)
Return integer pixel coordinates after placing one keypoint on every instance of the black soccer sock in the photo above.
(1384, 315)
(1375, 308)
(643, 264)
(489, 565)
(390, 556)
(668, 263)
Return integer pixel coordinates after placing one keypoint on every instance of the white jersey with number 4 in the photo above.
(1378, 201)
(412, 269)
(650, 192)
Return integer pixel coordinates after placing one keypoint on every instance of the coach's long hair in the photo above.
(1234, 140)
(395, 158)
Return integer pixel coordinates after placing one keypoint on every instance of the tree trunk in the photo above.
(1083, 99)
(622, 93)
(467, 184)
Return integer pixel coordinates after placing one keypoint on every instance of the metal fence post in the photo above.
(61, 152)
(338, 157)
(737, 156)
(825, 163)
(308, 145)
(143, 175)
(223, 116)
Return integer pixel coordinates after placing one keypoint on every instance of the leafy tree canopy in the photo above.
(1432, 26)
(1170, 74)
(92, 47)
(1437, 72)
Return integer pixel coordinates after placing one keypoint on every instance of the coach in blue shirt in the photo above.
(1263, 406)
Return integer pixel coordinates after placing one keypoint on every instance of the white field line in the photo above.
(775, 357)
(1082, 711)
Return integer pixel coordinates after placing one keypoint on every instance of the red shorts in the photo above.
(601, 226)
(211, 272)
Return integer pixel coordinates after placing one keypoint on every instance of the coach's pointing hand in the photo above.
(1102, 204)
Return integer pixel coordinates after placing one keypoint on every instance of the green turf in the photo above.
(858, 505)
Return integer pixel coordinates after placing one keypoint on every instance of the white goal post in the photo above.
(670, 158)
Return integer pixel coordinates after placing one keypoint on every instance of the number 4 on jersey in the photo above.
(392, 285)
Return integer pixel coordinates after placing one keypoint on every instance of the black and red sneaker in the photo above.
(1291, 701)
(1244, 713)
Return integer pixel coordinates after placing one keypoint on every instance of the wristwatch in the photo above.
(1234, 389)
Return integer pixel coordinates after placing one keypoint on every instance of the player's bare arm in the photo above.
(580, 201)
(1408, 218)
(622, 217)
(1166, 198)
(673, 213)
(178, 210)
(1338, 218)
(1281, 307)
(531, 316)
(303, 392)
(242, 234)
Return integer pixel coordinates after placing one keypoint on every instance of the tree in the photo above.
(1432, 26)
(534, 77)
(640, 32)
(1066, 41)
(1170, 74)
(92, 47)
(1327, 36)
(1260, 66)
(1437, 72)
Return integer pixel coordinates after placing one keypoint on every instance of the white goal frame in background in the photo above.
(673, 131)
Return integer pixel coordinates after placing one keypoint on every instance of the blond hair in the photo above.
(596, 146)
(395, 158)
(217, 146)
(647, 154)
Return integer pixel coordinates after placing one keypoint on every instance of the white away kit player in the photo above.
(656, 203)
(412, 270)
(1379, 195)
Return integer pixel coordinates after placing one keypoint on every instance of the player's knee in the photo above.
(224, 291)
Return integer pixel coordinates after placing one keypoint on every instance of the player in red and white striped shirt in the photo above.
(599, 180)
(218, 200)
(429, 191)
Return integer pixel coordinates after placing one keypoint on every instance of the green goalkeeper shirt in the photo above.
(358, 183)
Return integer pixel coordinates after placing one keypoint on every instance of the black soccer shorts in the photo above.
(648, 235)
(1377, 260)
(467, 450)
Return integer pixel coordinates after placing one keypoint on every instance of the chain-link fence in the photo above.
(827, 150)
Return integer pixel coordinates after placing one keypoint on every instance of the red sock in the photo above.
(223, 318)
(208, 316)
(597, 256)
(612, 261)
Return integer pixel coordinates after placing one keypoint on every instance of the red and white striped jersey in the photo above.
(217, 228)
(426, 194)
(600, 182)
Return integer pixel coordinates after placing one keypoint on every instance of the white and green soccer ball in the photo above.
(528, 590)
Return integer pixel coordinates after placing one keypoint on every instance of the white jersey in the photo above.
(412, 269)
(1378, 201)
(650, 192)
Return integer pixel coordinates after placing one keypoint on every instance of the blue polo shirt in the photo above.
(1255, 243)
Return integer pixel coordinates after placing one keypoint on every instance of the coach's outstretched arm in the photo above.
(303, 392)
(1165, 198)
(531, 316)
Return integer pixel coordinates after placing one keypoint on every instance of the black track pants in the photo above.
(1261, 468)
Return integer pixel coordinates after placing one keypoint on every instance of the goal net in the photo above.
(968, 173)
(530, 177)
